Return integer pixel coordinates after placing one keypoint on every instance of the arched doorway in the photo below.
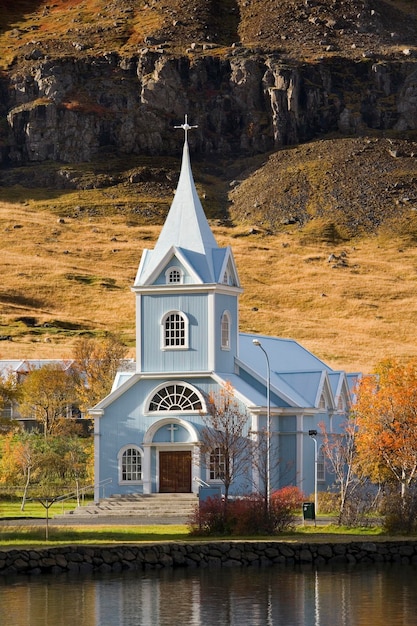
(171, 453)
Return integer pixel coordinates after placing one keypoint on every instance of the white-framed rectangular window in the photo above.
(217, 465)
(130, 465)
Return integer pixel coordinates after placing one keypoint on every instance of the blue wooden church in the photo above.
(188, 344)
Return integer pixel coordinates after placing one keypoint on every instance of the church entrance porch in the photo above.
(175, 472)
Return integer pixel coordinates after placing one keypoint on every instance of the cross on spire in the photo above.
(186, 127)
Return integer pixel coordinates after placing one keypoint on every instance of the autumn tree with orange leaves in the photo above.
(386, 413)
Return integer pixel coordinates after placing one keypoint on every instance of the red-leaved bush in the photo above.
(248, 515)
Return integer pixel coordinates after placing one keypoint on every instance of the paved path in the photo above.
(94, 520)
(101, 520)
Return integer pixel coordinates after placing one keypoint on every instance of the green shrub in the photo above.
(328, 502)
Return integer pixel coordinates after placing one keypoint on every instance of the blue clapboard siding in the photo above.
(154, 359)
(225, 359)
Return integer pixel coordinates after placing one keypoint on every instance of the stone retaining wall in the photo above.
(82, 559)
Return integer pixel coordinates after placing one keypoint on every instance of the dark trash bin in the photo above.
(309, 511)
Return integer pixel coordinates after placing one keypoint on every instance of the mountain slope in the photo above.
(305, 160)
(296, 28)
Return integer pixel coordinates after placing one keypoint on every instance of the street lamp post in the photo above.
(313, 435)
(257, 343)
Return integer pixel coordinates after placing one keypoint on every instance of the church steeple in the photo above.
(187, 291)
(186, 229)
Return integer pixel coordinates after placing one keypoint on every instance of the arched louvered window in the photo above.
(176, 397)
(175, 330)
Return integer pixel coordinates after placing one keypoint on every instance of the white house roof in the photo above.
(18, 366)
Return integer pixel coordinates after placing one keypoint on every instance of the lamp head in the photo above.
(312, 433)
(256, 342)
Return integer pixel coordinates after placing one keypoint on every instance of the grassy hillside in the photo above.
(69, 257)
(324, 234)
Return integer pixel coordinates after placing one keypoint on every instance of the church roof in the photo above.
(285, 355)
(186, 231)
(297, 377)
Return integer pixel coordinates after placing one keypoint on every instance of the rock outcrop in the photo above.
(73, 109)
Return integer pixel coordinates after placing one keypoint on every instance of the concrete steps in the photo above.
(156, 505)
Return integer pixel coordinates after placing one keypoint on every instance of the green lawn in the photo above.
(13, 534)
(25, 536)
(11, 509)
(22, 536)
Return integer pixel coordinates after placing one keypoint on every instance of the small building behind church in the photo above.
(188, 345)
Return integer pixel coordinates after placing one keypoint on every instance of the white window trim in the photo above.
(212, 481)
(120, 465)
(174, 268)
(167, 384)
(321, 460)
(186, 331)
(226, 315)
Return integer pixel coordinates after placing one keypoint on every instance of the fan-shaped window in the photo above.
(322, 403)
(176, 397)
(130, 465)
(175, 330)
(225, 331)
(174, 275)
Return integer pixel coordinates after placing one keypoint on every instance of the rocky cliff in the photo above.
(254, 76)
(70, 110)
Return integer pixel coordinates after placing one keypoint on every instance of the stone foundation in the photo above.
(82, 559)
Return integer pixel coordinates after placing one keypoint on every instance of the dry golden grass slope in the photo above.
(69, 256)
(65, 276)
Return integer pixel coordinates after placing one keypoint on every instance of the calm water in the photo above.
(371, 596)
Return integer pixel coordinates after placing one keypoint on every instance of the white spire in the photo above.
(186, 225)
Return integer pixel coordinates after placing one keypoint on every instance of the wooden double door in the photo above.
(175, 472)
